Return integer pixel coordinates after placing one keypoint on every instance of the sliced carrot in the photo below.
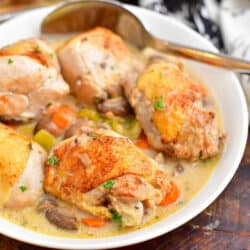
(94, 222)
(172, 195)
(142, 142)
(63, 116)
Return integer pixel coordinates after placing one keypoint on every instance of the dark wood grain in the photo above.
(225, 225)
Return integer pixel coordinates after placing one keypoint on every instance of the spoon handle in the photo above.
(215, 59)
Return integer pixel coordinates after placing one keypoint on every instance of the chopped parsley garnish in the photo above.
(37, 48)
(181, 202)
(159, 104)
(116, 216)
(48, 104)
(23, 188)
(51, 55)
(112, 67)
(109, 184)
(53, 160)
(93, 135)
(10, 61)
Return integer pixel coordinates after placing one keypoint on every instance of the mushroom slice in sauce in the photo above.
(62, 217)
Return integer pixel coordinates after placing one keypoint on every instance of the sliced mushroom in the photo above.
(116, 105)
(46, 204)
(62, 217)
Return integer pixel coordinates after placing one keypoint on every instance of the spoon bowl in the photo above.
(83, 15)
(79, 16)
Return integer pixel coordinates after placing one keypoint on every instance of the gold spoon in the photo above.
(86, 14)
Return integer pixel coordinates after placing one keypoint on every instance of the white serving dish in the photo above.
(225, 87)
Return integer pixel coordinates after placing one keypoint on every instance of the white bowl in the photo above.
(225, 87)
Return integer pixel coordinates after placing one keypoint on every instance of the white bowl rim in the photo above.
(32, 237)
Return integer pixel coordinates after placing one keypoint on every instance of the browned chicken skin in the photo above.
(169, 106)
(29, 79)
(21, 169)
(99, 63)
(78, 168)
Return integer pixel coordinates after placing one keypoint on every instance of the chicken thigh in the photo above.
(29, 79)
(21, 169)
(102, 173)
(170, 107)
(99, 63)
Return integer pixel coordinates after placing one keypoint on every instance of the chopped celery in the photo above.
(134, 130)
(90, 114)
(128, 127)
(117, 126)
(45, 139)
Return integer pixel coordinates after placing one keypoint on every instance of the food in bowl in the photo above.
(134, 140)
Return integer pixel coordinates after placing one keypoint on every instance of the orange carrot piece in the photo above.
(142, 142)
(62, 116)
(172, 195)
(94, 222)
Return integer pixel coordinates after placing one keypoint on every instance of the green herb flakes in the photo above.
(109, 184)
(23, 188)
(116, 216)
(159, 104)
(10, 61)
(93, 135)
(48, 104)
(180, 203)
(53, 160)
(37, 48)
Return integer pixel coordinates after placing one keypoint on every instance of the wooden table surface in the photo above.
(225, 225)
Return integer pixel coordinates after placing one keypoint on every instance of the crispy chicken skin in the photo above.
(87, 161)
(21, 169)
(99, 63)
(170, 107)
(29, 79)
